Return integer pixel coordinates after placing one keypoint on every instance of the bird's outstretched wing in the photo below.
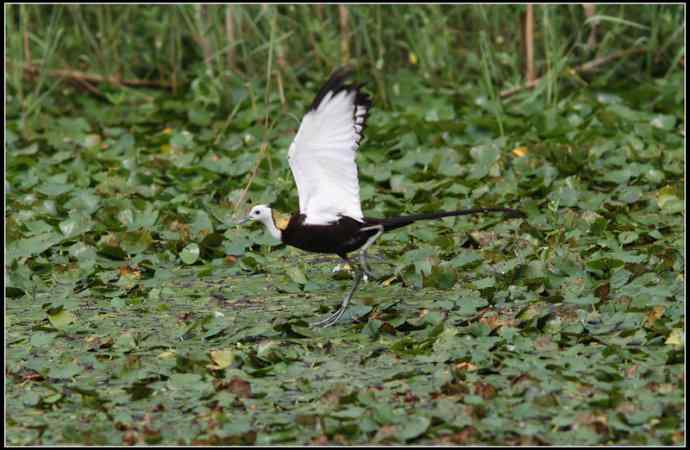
(322, 156)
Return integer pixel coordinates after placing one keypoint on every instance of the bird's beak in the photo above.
(242, 221)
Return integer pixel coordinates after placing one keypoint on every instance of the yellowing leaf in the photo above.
(221, 359)
(61, 319)
(129, 272)
(389, 281)
(91, 140)
(520, 151)
(465, 367)
(654, 314)
(676, 337)
(665, 195)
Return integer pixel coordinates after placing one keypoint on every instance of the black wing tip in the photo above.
(336, 83)
(362, 99)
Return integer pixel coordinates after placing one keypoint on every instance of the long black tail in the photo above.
(392, 223)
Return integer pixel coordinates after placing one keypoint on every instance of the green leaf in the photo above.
(627, 237)
(413, 427)
(190, 254)
(588, 299)
(296, 275)
(485, 157)
(76, 225)
(604, 263)
(663, 122)
(61, 319)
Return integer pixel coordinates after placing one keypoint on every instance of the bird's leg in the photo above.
(330, 320)
(363, 257)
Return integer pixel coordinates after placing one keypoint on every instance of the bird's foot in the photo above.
(330, 320)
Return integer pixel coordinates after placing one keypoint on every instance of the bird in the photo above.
(322, 160)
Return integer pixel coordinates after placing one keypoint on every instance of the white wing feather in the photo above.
(322, 159)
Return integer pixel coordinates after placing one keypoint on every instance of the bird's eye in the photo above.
(256, 213)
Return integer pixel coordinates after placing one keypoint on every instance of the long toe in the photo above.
(330, 320)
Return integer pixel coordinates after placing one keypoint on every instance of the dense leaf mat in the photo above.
(137, 313)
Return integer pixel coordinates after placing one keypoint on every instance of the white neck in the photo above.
(271, 227)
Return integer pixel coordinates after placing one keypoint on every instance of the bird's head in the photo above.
(263, 214)
(259, 213)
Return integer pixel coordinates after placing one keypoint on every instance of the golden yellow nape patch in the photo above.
(280, 220)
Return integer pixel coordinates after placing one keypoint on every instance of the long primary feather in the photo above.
(322, 155)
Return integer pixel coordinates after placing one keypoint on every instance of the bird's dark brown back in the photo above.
(340, 237)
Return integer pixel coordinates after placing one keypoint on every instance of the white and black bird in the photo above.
(322, 160)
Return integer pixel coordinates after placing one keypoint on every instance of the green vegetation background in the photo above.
(137, 313)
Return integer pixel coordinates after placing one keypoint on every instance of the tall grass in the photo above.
(281, 44)
(42, 50)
